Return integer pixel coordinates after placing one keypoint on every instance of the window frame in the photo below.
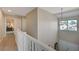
(68, 26)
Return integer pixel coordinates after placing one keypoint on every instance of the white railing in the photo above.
(26, 42)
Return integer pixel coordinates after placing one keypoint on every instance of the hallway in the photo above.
(8, 43)
(39, 28)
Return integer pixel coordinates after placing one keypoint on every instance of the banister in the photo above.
(23, 40)
(39, 42)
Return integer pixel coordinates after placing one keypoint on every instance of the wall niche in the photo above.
(9, 24)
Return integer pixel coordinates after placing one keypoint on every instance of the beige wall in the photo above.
(2, 24)
(47, 27)
(17, 21)
(24, 24)
(32, 23)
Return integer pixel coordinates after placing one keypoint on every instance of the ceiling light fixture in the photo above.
(61, 13)
(9, 10)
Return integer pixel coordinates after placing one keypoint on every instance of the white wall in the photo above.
(69, 36)
(42, 25)
(47, 27)
(67, 46)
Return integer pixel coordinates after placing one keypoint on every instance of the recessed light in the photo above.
(9, 10)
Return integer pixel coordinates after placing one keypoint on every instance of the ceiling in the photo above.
(22, 11)
(66, 11)
(56, 10)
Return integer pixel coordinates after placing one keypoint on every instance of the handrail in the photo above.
(39, 42)
(23, 40)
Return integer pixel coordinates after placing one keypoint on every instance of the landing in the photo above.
(8, 43)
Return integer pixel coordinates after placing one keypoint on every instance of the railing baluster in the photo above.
(31, 45)
(32, 42)
(34, 46)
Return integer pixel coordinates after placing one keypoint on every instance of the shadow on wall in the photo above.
(67, 46)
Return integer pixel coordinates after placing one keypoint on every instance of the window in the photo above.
(70, 25)
(63, 25)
